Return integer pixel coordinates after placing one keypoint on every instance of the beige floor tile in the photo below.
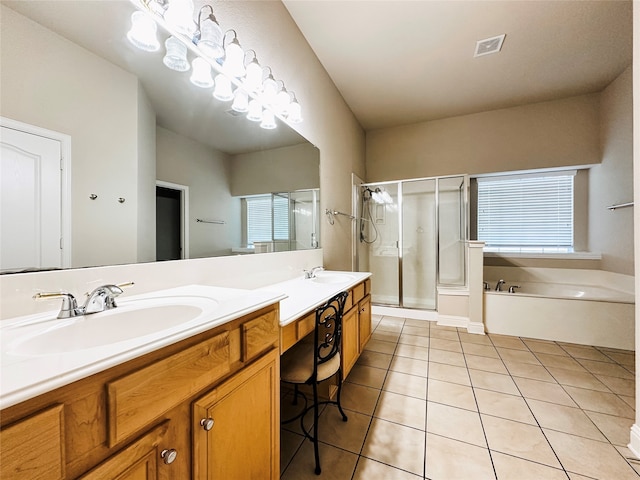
(506, 341)
(456, 423)
(543, 346)
(521, 356)
(289, 444)
(396, 445)
(631, 401)
(409, 411)
(435, 326)
(405, 384)
(589, 457)
(544, 391)
(560, 361)
(512, 407)
(577, 379)
(359, 398)
(623, 358)
(409, 365)
(526, 370)
(410, 322)
(616, 429)
(448, 345)
(474, 338)
(518, 439)
(414, 340)
(564, 419)
(375, 359)
(448, 459)
(605, 368)
(367, 376)
(448, 358)
(421, 332)
(336, 464)
(380, 346)
(333, 430)
(368, 469)
(575, 476)
(585, 352)
(621, 386)
(452, 394)
(449, 373)
(412, 351)
(445, 335)
(510, 468)
(481, 350)
(383, 336)
(386, 326)
(493, 381)
(487, 364)
(601, 402)
(630, 458)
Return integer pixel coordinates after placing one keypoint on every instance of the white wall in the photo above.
(146, 178)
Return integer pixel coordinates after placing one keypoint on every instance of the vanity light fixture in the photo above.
(233, 62)
(223, 90)
(143, 32)
(294, 111)
(201, 73)
(253, 79)
(282, 101)
(209, 36)
(269, 89)
(176, 56)
(255, 110)
(240, 101)
(268, 120)
(179, 16)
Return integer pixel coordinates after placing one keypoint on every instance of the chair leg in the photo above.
(315, 428)
(344, 416)
(295, 394)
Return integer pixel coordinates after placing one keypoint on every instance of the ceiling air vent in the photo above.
(489, 45)
(234, 113)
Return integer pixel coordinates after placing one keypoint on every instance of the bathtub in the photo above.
(587, 307)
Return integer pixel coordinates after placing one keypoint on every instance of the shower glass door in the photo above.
(418, 260)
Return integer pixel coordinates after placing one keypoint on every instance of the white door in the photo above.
(30, 201)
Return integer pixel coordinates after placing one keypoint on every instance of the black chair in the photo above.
(312, 363)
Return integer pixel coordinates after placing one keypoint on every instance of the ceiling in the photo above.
(400, 62)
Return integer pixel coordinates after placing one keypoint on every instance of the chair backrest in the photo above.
(328, 331)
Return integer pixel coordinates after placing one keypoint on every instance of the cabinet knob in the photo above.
(169, 456)
(207, 424)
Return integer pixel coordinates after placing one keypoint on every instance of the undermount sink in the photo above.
(130, 320)
(333, 278)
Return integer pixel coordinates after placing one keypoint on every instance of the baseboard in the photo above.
(404, 313)
(476, 328)
(453, 321)
(634, 444)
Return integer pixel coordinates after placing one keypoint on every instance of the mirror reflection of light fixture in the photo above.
(179, 16)
(268, 120)
(255, 110)
(240, 101)
(379, 195)
(209, 36)
(223, 90)
(201, 74)
(283, 99)
(233, 62)
(143, 32)
(269, 89)
(176, 56)
(294, 111)
(253, 80)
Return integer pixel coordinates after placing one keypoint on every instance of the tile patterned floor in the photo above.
(430, 402)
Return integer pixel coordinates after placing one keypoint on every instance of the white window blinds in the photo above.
(267, 218)
(526, 213)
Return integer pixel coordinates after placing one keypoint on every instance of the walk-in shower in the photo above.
(412, 236)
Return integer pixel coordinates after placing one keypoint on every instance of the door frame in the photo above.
(184, 214)
(65, 179)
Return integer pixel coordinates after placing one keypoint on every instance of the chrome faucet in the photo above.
(312, 273)
(99, 300)
(499, 285)
(512, 288)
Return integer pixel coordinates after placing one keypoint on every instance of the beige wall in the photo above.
(283, 169)
(611, 182)
(146, 178)
(205, 171)
(41, 77)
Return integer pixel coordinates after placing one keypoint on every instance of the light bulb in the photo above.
(176, 56)
(201, 75)
(255, 111)
(223, 90)
(269, 90)
(143, 33)
(240, 101)
(179, 16)
(253, 80)
(234, 59)
(282, 102)
(268, 120)
(295, 112)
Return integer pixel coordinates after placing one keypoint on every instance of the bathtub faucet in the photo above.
(512, 288)
(499, 285)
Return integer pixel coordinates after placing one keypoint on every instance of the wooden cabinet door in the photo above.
(364, 318)
(141, 460)
(350, 341)
(243, 439)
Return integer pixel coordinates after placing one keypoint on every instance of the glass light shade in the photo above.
(295, 112)
(210, 42)
(255, 111)
(253, 80)
(234, 59)
(176, 56)
(179, 16)
(143, 33)
(282, 102)
(377, 197)
(223, 90)
(386, 197)
(240, 101)
(269, 90)
(268, 120)
(201, 74)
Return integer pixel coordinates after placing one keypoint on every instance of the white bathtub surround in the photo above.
(589, 307)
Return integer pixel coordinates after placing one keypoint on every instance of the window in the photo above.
(526, 213)
(267, 218)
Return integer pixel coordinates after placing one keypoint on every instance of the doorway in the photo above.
(171, 221)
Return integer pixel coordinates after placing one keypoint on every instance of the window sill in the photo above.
(555, 256)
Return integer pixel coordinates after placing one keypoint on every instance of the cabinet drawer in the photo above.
(34, 448)
(306, 325)
(288, 336)
(139, 398)
(358, 293)
(258, 335)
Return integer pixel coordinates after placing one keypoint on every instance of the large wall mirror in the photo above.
(145, 140)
